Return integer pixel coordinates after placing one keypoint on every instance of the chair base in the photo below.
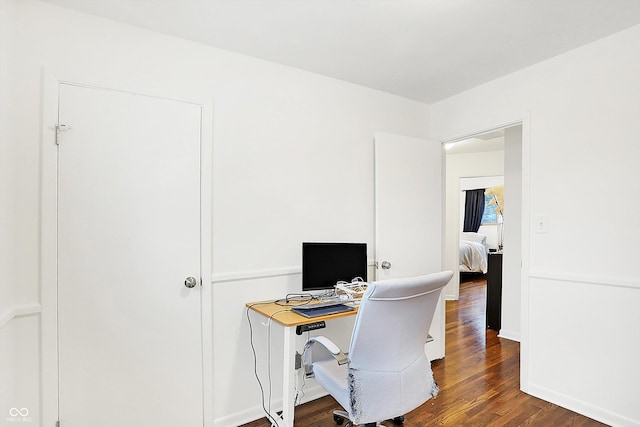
(340, 416)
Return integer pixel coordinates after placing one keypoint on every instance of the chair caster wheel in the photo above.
(338, 419)
(398, 420)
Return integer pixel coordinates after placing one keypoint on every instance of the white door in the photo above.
(408, 215)
(129, 330)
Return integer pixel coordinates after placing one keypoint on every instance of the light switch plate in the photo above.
(541, 224)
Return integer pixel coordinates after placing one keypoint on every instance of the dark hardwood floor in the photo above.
(478, 379)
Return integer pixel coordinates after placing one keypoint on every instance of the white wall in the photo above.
(6, 190)
(18, 241)
(581, 291)
(490, 163)
(293, 161)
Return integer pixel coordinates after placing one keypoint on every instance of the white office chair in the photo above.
(386, 373)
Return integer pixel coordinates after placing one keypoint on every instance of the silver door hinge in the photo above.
(59, 129)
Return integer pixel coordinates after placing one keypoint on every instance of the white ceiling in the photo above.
(426, 50)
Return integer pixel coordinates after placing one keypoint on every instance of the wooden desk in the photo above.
(281, 314)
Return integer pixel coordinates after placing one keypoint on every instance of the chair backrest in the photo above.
(389, 373)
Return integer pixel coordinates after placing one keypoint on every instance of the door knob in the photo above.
(386, 265)
(190, 282)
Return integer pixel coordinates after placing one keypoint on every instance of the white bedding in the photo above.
(473, 257)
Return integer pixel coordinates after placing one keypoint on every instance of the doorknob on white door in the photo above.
(386, 265)
(190, 282)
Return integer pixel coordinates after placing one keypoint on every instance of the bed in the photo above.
(473, 253)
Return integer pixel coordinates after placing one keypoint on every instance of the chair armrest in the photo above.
(329, 345)
(326, 343)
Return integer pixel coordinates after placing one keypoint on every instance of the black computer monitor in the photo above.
(325, 264)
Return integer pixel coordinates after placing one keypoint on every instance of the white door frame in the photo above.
(49, 235)
(523, 119)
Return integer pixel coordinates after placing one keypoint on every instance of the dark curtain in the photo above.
(473, 209)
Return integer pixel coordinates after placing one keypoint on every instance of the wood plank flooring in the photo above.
(478, 379)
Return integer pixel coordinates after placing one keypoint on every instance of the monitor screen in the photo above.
(325, 264)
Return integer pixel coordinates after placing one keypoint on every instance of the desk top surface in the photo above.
(282, 314)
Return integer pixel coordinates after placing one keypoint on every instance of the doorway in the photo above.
(496, 152)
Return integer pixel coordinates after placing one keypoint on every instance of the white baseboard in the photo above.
(509, 335)
(584, 408)
(256, 412)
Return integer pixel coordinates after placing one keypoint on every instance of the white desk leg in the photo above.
(288, 376)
